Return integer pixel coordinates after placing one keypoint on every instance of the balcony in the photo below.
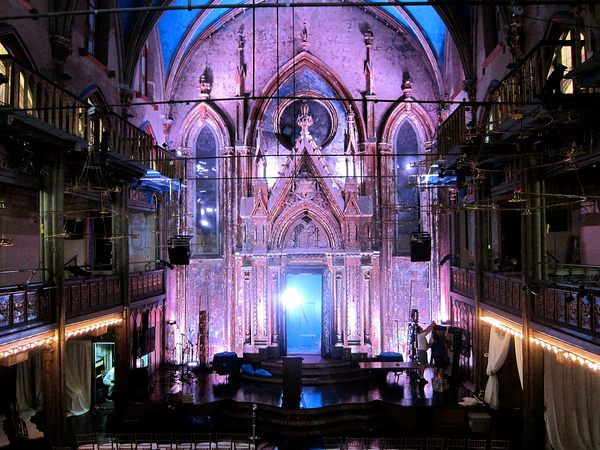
(462, 281)
(503, 292)
(148, 284)
(25, 308)
(37, 102)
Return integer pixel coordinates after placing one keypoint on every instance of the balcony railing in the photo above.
(525, 83)
(92, 295)
(457, 129)
(27, 307)
(571, 311)
(503, 292)
(31, 95)
(462, 281)
(146, 284)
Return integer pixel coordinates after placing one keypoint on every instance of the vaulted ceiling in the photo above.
(179, 25)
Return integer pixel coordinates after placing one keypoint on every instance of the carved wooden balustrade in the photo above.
(456, 130)
(146, 284)
(28, 94)
(28, 307)
(503, 292)
(574, 312)
(462, 281)
(92, 295)
(525, 83)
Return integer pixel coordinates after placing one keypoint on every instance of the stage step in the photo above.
(315, 373)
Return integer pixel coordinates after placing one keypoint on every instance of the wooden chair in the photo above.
(477, 444)
(203, 441)
(86, 441)
(393, 443)
(164, 441)
(333, 443)
(144, 441)
(357, 443)
(413, 444)
(124, 441)
(184, 441)
(455, 444)
(434, 444)
(499, 444)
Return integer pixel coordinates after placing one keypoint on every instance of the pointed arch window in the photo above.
(207, 226)
(406, 195)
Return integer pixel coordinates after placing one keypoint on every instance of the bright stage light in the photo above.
(291, 298)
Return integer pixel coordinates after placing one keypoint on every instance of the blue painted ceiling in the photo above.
(173, 25)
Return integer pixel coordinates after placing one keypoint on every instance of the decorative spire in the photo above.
(406, 84)
(305, 121)
(304, 37)
(350, 145)
(205, 83)
(240, 73)
(260, 160)
(368, 64)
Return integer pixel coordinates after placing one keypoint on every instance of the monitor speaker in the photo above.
(420, 247)
(179, 250)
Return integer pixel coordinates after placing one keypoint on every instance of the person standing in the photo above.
(422, 346)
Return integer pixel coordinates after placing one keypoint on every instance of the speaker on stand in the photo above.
(179, 250)
(420, 247)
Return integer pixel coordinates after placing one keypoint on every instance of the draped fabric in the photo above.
(29, 383)
(499, 346)
(78, 379)
(519, 357)
(572, 405)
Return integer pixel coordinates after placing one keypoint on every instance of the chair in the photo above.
(104, 441)
(164, 441)
(333, 443)
(374, 443)
(477, 444)
(434, 444)
(202, 441)
(455, 444)
(413, 443)
(500, 444)
(357, 443)
(184, 441)
(144, 441)
(393, 443)
(86, 441)
(124, 441)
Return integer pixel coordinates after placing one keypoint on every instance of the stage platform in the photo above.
(382, 404)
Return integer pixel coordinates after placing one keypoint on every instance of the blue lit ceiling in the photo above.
(174, 25)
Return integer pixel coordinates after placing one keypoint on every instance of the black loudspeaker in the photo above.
(179, 250)
(292, 381)
(420, 247)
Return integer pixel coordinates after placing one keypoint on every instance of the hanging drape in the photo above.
(519, 357)
(572, 404)
(78, 379)
(497, 353)
(29, 382)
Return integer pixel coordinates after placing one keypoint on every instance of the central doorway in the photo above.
(303, 304)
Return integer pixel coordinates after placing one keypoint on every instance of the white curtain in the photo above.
(519, 357)
(572, 405)
(78, 379)
(499, 346)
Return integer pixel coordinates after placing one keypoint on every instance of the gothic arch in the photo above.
(399, 113)
(205, 114)
(299, 61)
(290, 217)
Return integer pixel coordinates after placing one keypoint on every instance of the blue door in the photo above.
(302, 302)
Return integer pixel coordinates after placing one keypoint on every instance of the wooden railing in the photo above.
(146, 284)
(92, 295)
(28, 93)
(462, 281)
(27, 307)
(503, 292)
(457, 129)
(525, 83)
(571, 311)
